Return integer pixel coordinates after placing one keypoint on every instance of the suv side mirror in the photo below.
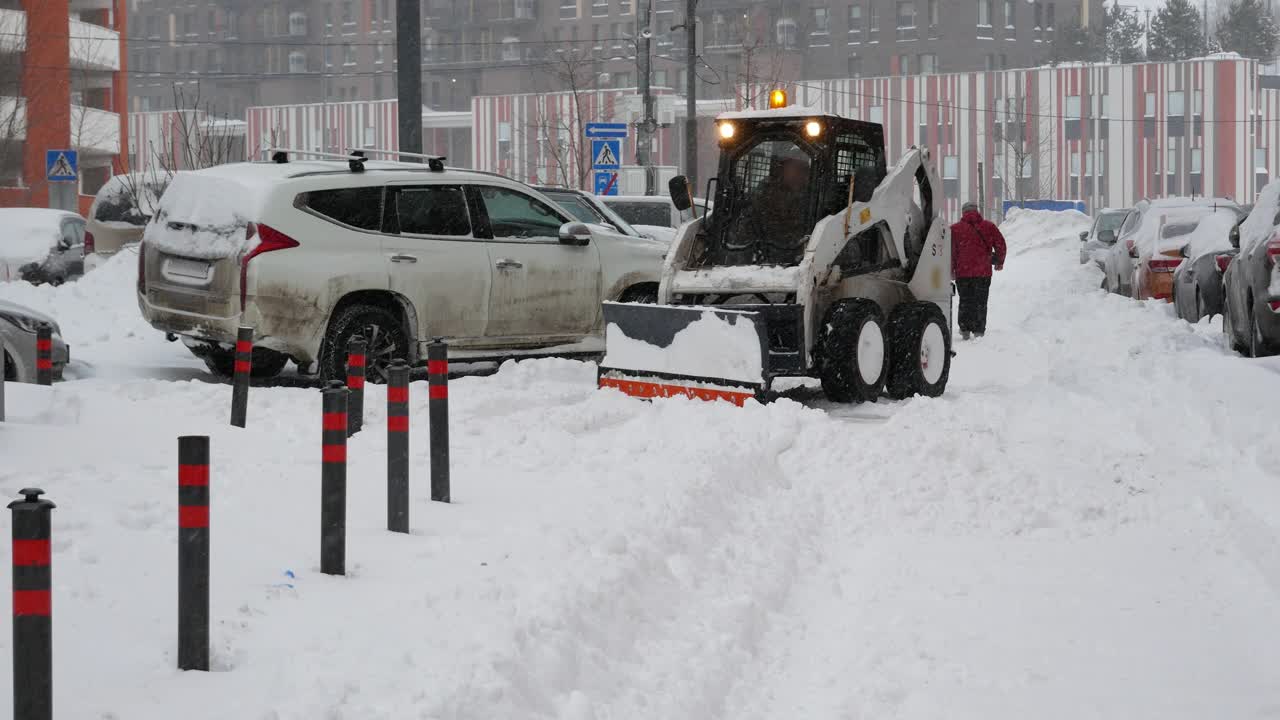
(575, 233)
(1084, 236)
(678, 186)
(1106, 236)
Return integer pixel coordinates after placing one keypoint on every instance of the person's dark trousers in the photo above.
(973, 303)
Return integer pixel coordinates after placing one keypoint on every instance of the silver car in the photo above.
(18, 338)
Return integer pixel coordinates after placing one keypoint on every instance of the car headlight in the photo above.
(23, 322)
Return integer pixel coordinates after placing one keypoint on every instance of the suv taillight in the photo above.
(1224, 261)
(88, 243)
(269, 239)
(1163, 265)
(142, 268)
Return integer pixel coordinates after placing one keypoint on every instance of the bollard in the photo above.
(438, 413)
(32, 608)
(356, 347)
(333, 480)
(193, 552)
(398, 446)
(240, 379)
(44, 354)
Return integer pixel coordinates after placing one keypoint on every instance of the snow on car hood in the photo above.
(203, 215)
(28, 234)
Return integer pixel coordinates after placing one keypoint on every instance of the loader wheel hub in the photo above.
(933, 348)
(870, 352)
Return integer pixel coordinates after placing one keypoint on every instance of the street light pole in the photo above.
(690, 95)
(647, 125)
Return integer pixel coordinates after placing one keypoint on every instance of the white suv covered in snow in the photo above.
(312, 252)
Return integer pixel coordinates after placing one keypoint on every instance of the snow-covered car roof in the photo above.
(1212, 233)
(30, 233)
(1257, 228)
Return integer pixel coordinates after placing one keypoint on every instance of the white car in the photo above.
(652, 210)
(311, 252)
(120, 212)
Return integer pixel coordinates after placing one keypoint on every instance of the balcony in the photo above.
(95, 132)
(13, 31)
(94, 47)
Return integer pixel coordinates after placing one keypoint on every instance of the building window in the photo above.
(1010, 15)
(379, 54)
(1177, 104)
(1048, 17)
(876, 114)
(992, 63)
(1197, 102)
(1039, 10)
(1073, 107)
(568, 9)
(1151, 105)
(873, 19)
(1260, 161)
(855, 66)
(1075, 163)
(511, 48)
(904, 64)
(297, 62)
(934, 18)
(348, 14)
(984, 13)
(951, 167)
(786, 29)
(348, 54)
(1197, 161)
(906, 15)
(599, 8)
(855, 22)
(821, 20)
(297, 24)
(928, 64)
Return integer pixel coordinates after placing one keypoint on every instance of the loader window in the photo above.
(772, 193)
(864, 252)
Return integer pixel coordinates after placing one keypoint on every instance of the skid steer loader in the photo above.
(817, 261)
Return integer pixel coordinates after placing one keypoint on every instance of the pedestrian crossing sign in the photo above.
(61, 165)
(605, 154)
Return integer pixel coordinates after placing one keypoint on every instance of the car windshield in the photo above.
(643, 213)
(1109, 221)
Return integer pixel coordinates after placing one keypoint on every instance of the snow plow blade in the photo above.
(659, 351)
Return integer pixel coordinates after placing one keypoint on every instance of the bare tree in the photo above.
(1027, 143)
(573, 71)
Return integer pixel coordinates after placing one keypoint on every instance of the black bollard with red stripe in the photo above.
(32, 608)
(193, 552)
(356, 348)
(333, 480)
(438, 414)
(398, 446)
(240, 379)
(44, 354)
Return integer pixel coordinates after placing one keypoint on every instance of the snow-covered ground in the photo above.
(1086, 525)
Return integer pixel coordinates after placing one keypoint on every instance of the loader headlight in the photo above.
(726, 130)
(813, 128)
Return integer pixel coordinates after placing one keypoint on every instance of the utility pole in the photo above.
(690, 95)
(409, 74)
(644, 57)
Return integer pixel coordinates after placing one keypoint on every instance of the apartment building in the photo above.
(62, 67)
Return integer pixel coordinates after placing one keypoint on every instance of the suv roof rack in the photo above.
(355, 159)
(435, 163)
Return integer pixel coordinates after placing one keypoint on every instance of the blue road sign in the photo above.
(61, 165)
(606, 183)
(605, 130)
(606, 154)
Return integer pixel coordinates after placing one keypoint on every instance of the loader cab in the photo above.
(780, 172)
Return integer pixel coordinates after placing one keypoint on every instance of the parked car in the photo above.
(655, 210)
(1197, 282)
(311, 252)
(588, 208)
(41, 245)
(1101, 235)
(120, 211)
(18, 325)
(1141, 232)
(1251, 283)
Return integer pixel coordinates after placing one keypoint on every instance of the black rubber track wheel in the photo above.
(855, 351)
(920, 339)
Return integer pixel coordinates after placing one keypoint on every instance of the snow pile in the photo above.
(1212, 235)
(738, 277)
(28, 234)
(212, 214)
(1025, 229)
(710, 347)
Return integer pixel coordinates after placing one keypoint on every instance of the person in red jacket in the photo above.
(976, 246)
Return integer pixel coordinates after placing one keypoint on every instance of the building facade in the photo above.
(1107, 135)
(62, 86)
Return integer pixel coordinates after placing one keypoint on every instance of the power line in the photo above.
(328, 40)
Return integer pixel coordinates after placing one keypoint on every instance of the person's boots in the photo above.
(964, 334)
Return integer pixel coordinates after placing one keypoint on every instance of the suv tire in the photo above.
(381, 328)
(920, 340)
(266, 363)
(855, 352)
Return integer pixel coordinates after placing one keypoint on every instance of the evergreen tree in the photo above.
(1077, 44)
(1123, 35)
(1248, 28)
(1177, 32)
